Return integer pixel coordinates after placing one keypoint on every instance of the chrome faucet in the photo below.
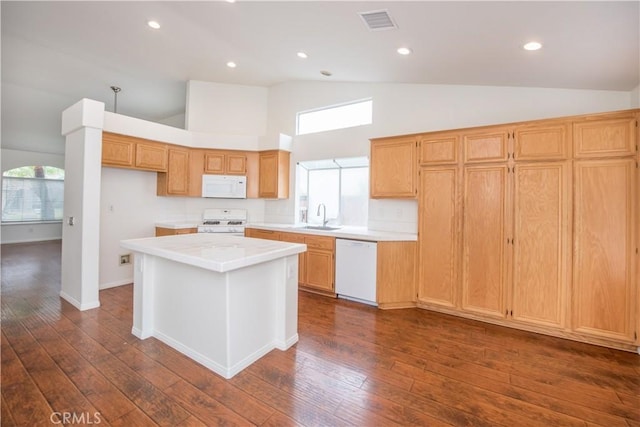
(324, 214)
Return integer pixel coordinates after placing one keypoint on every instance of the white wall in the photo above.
(219, 108)
(129, 209)
(18, 233)
(635, 97)
(408, 108)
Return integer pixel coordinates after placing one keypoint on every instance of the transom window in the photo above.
(32, 194)
(356, 113)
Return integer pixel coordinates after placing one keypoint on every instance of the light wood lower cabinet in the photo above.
(163, 231)
(395, 270)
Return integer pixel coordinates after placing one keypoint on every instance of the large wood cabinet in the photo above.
(534, 225)
(393, 168)
(605, 294)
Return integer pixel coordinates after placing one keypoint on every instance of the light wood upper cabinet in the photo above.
(225, 162)
(541, 243)
(484, 271)
(541, 142)
(274, 174)
(488, 145)
(604, 291)
(393, 167)
(602, 137)
(439, 213)
(116, 151)
(440, 148)
(131, 152)
(175, 182)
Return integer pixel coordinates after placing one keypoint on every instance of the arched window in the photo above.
(32, 194)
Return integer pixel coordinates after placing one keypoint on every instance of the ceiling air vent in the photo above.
(378, 20)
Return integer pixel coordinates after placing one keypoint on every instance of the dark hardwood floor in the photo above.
(354, 365)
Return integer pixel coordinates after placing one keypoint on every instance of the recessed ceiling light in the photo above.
(404, 51)
(153, 24)
(231, 64)
(302, 55)
(532, 46)
(326, 73)
(231, 1)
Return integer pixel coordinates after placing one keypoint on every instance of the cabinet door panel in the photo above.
(439, 150)
(599, 138)
(116, 152)
(484, 264)
(540, 243)
(236, 164)
(214, 162)
(393, 168)
(438, 246)
(486, 147)
(302, 257)
(151, 156)
(541, 143)
(603, 284)
(178, 172)
(319, 271)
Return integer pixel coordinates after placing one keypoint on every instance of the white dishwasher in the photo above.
(356, 270)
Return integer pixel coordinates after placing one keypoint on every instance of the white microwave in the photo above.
(224, 186)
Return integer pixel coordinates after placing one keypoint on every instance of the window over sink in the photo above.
(339, 186)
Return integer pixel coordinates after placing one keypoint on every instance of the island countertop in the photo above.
(214, 251)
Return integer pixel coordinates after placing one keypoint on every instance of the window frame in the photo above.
(24, 179)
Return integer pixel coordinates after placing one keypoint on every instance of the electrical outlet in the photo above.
(125, 259)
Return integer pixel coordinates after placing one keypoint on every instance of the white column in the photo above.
(82, 125)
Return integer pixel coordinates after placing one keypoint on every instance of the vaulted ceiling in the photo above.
(55, 53)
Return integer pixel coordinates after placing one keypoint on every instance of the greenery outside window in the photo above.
(32, 194)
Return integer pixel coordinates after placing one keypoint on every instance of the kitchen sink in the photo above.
(320, 227)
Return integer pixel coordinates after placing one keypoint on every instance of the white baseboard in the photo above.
(77, 304)
(116, 283)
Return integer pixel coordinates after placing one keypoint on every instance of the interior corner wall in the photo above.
(36, 232)
(412, 108)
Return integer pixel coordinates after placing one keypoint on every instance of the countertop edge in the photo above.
(137, 245)
(347, 233)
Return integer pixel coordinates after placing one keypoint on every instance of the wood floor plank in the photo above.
(204, 407)
(354, 365)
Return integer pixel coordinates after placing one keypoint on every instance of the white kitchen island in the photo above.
(225, 301)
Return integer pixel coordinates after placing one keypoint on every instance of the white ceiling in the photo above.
(54, 53)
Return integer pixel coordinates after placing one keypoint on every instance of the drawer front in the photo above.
(262, 234)
(321, 242)
(292, 237)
